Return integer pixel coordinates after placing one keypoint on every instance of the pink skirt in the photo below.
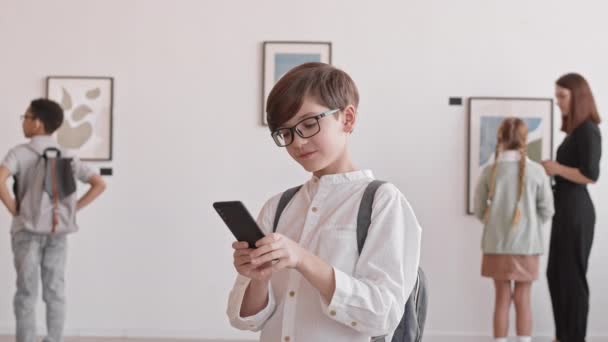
(510, 267)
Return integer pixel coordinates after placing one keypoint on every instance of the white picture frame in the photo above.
(485, 116)
(281, 56)
(87, 103)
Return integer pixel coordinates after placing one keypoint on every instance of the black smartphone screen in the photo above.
(239, 221)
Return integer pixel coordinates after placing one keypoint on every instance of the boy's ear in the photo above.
(38, 125)
(350, 117)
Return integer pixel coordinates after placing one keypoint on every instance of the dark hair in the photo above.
(582, 104)
(48, 112)
(329, 86)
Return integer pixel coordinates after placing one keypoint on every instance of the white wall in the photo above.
(153, 259)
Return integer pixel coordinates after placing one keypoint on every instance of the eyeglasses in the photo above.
(305, 129)
(29, 117)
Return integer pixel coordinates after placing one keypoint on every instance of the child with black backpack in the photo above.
(341, 252)
(44, 212)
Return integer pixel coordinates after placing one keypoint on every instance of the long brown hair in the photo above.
(582, 103)
(512, 135)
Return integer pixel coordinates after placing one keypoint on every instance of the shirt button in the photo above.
(314, 209)
(292, 293)
(332, 313)
(287, 338)
(354, 324)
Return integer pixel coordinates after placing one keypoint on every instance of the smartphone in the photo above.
(239, 221)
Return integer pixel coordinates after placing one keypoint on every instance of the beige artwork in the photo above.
(86, 103)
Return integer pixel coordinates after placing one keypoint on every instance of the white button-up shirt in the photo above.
(371, 288)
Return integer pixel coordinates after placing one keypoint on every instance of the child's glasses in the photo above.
(305, 129)
(29, 117)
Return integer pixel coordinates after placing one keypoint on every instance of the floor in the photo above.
(426, 339)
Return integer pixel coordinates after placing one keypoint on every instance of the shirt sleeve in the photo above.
(372, 301)
(82, 171)
(544, 200)
(11, 162)
(589, 149)
(237, 294)
(480, 199)
(235, 301)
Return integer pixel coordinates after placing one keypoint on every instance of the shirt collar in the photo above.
(347, 177)
(510, 155)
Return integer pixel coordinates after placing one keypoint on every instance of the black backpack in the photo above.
(47, 203)
(411, 327)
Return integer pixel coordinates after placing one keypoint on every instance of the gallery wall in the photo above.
(153, 259)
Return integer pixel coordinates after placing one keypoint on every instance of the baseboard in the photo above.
(459, 336)
(199, 335)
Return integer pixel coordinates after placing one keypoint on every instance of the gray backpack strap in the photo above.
(364, 217)
(285, 199)
(411, 326)
(31, 148)
(364, 220)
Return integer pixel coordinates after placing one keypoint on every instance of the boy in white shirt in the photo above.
(307, 281)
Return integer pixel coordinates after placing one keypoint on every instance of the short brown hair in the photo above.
(329, 86)
(582, 103)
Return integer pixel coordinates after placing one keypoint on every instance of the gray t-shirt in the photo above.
(21, 158)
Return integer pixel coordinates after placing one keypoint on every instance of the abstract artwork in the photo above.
(87, 104)
(485, 116)
(280, 57)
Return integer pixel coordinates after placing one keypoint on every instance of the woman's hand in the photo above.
(244, 266)
(277, 250)
(552, 167)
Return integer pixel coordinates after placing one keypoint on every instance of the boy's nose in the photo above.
(298, 140)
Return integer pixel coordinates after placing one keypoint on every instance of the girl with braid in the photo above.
(513, 199)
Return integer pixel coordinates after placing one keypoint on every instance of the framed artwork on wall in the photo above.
(87, 104)
(485, 116)
(281, 56)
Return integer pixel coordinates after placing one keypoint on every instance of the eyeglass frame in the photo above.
(27, 116)
(294, 131)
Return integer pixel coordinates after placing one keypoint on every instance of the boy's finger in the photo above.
(241, 252)
(268, 257)
(279, 265)
(261, 251)
(242, 260)
(268, 239)
(240, 245)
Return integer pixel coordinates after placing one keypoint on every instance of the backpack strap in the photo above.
(285, 199)
(364, 220)
(31, 148)
(364, 217)
(51, 149)
(46, 150)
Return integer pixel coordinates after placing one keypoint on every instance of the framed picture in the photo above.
(87, 104)
(280, 57)
(485, 116)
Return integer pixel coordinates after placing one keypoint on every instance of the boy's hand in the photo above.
(243, 265)
(286, 252)
(12, 207)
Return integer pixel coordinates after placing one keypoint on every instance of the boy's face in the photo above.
(325, 152)
(31, 125)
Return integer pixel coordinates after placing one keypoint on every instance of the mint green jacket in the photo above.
(536, 205)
